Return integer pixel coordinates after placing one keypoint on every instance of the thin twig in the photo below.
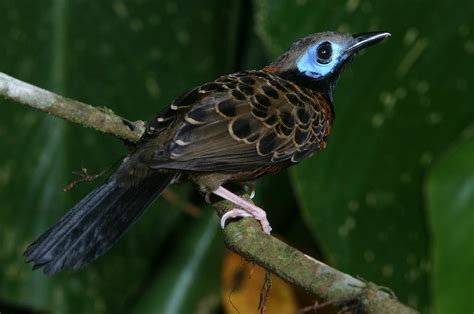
(267, 285)
(84, 176)
(245, 236)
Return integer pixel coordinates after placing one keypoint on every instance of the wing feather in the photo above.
(244, 121)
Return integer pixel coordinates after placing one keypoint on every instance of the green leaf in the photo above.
(450, 199)
(134, 57)
(190, 278)
(397, 107)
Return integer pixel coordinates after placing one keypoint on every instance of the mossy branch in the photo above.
(245, 236)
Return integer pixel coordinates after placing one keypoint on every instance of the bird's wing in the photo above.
(241, 122)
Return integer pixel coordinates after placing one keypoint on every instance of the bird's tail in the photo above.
(94, 224)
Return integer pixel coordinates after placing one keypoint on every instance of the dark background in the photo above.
(391, 198)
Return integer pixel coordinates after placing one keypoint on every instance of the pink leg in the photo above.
(247, 207)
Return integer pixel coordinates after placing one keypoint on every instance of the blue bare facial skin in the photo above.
(320, 59)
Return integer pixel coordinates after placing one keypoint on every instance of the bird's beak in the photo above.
(365, 40)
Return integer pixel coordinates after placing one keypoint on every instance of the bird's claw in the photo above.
(250, 189)
(207, 198)
(252, 194)
(233, 213)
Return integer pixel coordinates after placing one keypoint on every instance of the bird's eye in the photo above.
(324, 53)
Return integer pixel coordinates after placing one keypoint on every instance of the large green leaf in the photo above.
(189, 279)
(397, 107)
(134, 57)
(450, 199)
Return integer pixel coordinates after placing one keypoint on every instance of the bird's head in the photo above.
(317, 60)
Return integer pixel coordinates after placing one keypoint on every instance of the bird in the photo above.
(232, 130)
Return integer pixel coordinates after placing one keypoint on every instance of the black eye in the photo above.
(324, 53)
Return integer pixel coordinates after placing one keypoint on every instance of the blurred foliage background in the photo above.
(391, 199)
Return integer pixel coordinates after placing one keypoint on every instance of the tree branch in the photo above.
(100, 119)
(245, 236)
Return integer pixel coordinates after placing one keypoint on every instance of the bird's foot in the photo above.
(246, 209)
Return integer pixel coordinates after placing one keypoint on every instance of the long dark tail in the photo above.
(94, 224)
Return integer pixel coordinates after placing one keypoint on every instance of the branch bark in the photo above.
(245, 236)
(100, 119)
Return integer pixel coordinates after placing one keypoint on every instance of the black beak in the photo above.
(365, 40)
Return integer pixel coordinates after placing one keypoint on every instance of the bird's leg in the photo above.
(246, 209)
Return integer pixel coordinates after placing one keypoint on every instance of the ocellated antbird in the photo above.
(232, 130)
